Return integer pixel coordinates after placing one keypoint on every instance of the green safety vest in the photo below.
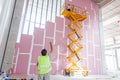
(44, 65)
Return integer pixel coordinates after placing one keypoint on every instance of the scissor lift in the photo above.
(76, 17)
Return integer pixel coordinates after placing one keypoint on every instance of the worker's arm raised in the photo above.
(51, 47)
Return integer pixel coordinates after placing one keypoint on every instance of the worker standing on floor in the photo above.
(44, 65)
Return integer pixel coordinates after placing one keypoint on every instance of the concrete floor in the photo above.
(61, 77)
(90, 77)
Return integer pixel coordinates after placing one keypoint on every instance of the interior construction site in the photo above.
(59, 40)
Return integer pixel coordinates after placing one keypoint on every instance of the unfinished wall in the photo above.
(5, 18)
(27, 51)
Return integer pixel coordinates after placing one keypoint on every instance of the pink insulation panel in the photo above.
(67, 21)
(50, 29)
(97, 52)
(83, 63)
(38, 36)
(33, 69)
(25, 43)
(54, 68)
(59, 38)
(54, 54)
(83, 51)
(98, 67)
(47, 43)
(83, 33)
(90, 48)
(90, 35)
(62, 48)
(59, 23)
(91, 64)
(35, 53)
(22, 64)
(97, 38)
(62, 64)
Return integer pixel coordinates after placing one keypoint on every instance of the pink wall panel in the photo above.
(91, 64)
(97, 52)
(22, 64)
(67, 21)
(50, 29)
(53, 55)
(25, 43)
(90, 35)
(83, 63)
(33, 69)
(97, 38)
(86, 21)
(67, 31)
(96, 29)
(59, 23)
(62, 64)
(92, 21)
(90, 48)
(54, 68)
(83, 33)
(38, 36)
(95, 71)
(59, 38)
(47, 43)
(98, 67)
(63, 50)
(35, 53)
(83, 51)
(63, 45)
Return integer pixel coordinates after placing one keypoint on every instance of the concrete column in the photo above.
(5, 19)
(12, 36)
(102, 42)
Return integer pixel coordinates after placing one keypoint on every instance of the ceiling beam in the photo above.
(111, 35)
(105, 3)
(97, 1)
(102, 3)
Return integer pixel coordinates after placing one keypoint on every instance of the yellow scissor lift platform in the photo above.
(73, 16)
(75, 36)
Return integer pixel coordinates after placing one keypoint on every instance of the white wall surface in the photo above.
(1, 8)
(6, 9)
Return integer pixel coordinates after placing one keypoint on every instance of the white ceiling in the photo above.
(110, 17)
